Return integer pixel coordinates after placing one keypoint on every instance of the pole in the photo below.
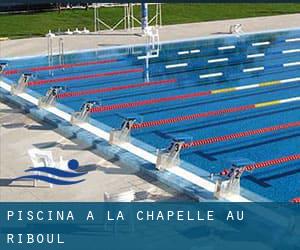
(144, 9)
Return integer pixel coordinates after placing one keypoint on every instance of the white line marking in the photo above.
(226, 47)
(195, 51)
(171, 66)
(94, 130)
(261, 43)
(291, 64)
(193, 178)
(256, 55)
(253, 69)
(290, 99)
(5, 86)
(292, 40)
(290, 51)
(145, 57)
(211, 75)
(218, 60)
(183, 52)
(59, 113)
(290, 80)
(247, 87)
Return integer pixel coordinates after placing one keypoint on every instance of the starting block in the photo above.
(49, 98)
(22, 84)
(84, 113)
(3, 65)
(226, 188)
(122, 135)
(231, 185)
(170, 157)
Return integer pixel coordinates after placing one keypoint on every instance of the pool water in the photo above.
(193, 77)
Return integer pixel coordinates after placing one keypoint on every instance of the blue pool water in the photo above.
(237, 61)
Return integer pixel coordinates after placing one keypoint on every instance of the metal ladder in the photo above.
(61, 52)
(50, 53)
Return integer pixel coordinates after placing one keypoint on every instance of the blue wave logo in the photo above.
(62, 174)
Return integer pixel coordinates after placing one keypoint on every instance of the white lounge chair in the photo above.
(43, 158)
(128, 196)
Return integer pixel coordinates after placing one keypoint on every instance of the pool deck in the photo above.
(106, 176)
(18, 133)
(38, 45)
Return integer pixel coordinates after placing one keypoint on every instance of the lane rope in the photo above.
(263, 164)
(211, 113)
(111, 89)
(188, 96)
(240, 135)
(296, 200)
(65, 66)
(269, 163)
(80, 77)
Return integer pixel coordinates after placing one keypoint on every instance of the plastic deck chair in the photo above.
(40, 158)
(128, 196)
(236, 29)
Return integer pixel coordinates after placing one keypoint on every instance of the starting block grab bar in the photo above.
(50, 97)
(22, 84)
(84, 113)
(122, 135)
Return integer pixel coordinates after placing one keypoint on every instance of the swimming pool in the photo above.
(232, 98)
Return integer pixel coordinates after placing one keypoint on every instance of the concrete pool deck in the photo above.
(108, 177)
(19, 133)
(38, 45)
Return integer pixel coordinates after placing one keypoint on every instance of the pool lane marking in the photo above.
(147, 56)
(194, 51)
(150, 157)
(290, 51)
(261, 43)
(253, 69)
(187, 96)
(116, 88)
(256, 55)
(80, 77)
(238, 135)
(210, 75)
(225, 59)
(291, 64)
(226, 47)
(178, 65)
(292, 40)
(65, 66)
(186, 52)
(176, 119)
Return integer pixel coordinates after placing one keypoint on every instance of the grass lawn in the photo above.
(25, 25)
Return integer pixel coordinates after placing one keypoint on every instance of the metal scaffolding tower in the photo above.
(129, 20)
